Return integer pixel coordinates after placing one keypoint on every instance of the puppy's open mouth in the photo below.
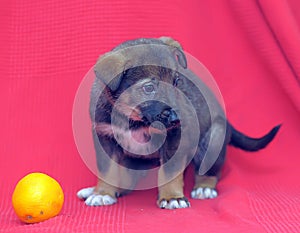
(156, 122)
(143, 134)
(157, 126)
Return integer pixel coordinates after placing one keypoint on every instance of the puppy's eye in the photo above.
(148, 88)
(177, 82)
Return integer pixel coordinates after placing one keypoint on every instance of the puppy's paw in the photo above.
(85, 192)
(175, 203)
(93, 199)
(100, 200)
(204, 193)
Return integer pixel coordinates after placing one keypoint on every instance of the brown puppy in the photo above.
(150, 113)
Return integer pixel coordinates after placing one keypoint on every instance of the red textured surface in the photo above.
(252, 49)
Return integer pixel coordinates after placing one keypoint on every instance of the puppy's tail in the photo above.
(244, 142)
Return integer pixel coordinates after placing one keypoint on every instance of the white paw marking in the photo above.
(85, 193)
(93, 199)
(100, 200)
(204, 193)
(174, 204)
(184, 204)
(163, 204)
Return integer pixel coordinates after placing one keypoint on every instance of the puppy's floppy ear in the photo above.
(110, 68)
(178, 52)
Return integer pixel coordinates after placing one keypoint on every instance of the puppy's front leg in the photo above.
(171, 194)
(170, 175)
(102, 194)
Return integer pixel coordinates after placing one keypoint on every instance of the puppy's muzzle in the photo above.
(169, 117)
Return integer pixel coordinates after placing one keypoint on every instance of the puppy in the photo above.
(149, 115)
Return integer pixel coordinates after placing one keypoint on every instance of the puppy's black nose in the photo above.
(166, 113)
(170, 115)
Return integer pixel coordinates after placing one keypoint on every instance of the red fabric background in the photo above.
(251, 48)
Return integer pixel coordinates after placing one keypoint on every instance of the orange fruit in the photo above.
(37, 197)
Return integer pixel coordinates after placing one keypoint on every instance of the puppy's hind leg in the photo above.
(205, 187)
(209, 161)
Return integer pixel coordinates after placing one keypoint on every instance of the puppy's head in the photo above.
(147, 94)
(140, 75)
(164, 52)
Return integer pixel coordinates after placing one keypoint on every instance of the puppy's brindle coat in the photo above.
(141, 80)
